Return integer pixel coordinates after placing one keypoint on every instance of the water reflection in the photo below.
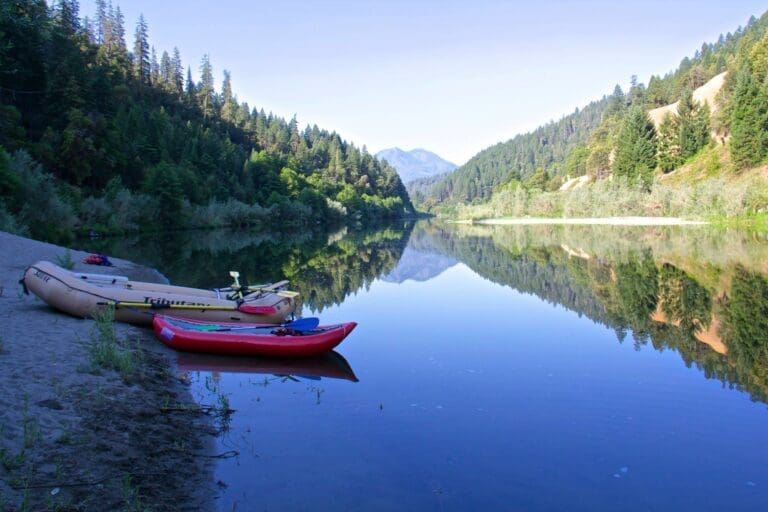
(701, 292)
(551, 410)
(331, 365)
(325, 268)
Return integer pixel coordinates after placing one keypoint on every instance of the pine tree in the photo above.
(154, 68)
(205, 92)
(119, 30)
(636, 148)
(617, 101)
(293, 129)
(748, 121)
(101, 21)
(190, 88)
(701, 125)
(141, 62)
(166, 73)
(669, 143)
(758, 59)
(22, 67)
(693, 123)
(178, 71)
(228, 102)
(67, 16)
(636, 95)
(655, 95)
(87, 31)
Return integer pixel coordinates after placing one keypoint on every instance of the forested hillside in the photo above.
(98, 135)
(615, 137)
(519, 158)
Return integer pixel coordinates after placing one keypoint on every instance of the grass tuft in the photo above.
(107, 351)
(66, 260)
(132, 501)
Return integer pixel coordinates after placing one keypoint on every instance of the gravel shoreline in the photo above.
(72, 438)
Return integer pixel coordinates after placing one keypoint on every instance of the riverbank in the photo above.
(75, 437)
(606, 221)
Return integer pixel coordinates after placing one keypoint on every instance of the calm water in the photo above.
(500, 368)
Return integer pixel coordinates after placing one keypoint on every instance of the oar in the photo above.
(270, 288)
(253, 310)
(282, 293)
(155, 305)
(300, 325)
(242, 290)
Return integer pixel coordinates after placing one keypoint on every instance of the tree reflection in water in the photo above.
(700, 292)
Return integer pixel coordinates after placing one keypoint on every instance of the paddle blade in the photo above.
(303, 324)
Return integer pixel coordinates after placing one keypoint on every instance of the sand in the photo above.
(707, 93)
(608, 221)
(74, 440)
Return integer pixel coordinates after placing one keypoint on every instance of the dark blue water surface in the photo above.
(508, 368)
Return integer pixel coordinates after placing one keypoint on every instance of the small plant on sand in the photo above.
(106, 350)
(30, 429)
(131, 497)
(66, 261)
(9, 461)
(32, 433)
(66, 437)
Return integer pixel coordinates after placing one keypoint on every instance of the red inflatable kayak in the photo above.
(301, 338)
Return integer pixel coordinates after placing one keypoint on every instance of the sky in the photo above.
(452, 77)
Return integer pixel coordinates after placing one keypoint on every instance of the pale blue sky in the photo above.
(450, 77)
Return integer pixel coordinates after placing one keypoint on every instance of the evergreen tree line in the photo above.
(743, 117)
(616, 136)
(516, 159)
(123, 140)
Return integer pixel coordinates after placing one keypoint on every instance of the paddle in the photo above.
(300, 325)
(245, 308)
(303, 324)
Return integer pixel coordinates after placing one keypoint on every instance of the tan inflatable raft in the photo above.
(82, 294)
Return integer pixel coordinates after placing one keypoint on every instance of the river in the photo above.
(494, 367)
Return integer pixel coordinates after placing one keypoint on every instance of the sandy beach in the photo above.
(607, 221)
(75, 439)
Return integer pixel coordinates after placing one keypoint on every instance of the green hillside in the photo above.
(666, 168)
(98, 135)
(517, 159)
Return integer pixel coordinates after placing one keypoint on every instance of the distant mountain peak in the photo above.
(415, 164)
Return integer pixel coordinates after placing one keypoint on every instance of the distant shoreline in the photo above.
(607, 221)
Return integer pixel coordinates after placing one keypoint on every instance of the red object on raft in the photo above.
(248, 339)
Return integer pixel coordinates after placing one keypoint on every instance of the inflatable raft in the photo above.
(135, 302)
(287, 340)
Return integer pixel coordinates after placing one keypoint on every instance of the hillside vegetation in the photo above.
(99, 136)
(691, 143)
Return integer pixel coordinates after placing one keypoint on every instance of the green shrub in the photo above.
(44, 213)
(106, 350)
